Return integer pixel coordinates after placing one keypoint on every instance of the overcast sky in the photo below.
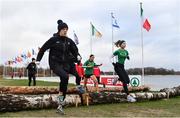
(27, 24)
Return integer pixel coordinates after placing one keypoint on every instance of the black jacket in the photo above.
(32, 69)
(62, 50)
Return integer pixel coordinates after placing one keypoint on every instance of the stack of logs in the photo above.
(23, 98)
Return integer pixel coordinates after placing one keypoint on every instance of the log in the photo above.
(175, 91)
(12, 102)
(28, 90)
(72, 90)
(115, 97)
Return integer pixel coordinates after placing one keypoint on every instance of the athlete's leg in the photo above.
(95, 82)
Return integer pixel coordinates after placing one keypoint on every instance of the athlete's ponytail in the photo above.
(118, 43)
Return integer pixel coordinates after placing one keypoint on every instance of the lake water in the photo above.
(155, 82)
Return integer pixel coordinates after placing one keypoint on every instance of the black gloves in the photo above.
(113, 63)
(128, 57)
(78, 63)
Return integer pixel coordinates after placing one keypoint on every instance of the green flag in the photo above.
(141, 9)
(95, 32)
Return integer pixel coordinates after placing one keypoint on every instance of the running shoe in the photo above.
(61, 104)
(131, 99)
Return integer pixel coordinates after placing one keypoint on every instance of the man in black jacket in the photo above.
(32, 71)
(62, 56)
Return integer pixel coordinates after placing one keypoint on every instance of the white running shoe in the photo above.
(131, 99)
(61, 104)
(60, 109)
(115, 81)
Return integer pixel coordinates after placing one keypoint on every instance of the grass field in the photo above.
(160, 108)
(24, 82)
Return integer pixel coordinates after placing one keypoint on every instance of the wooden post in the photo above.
(87, 99)
(76, 101)
(167, 94)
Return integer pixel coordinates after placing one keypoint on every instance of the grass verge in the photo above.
(161, 108)
(24, 82)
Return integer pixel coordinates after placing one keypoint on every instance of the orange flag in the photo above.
(28, 54)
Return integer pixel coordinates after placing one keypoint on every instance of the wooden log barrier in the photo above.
(175, 91)
(11, 102)
(47, 90)
(115, 97)
(16, 102)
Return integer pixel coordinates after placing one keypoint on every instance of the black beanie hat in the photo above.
(61, 25)
(33, 59)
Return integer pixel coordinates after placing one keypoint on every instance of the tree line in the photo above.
(17, 71)
(152, 71)
(47, 72)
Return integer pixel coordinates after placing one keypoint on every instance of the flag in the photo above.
(18, 59)
(76, 40)
(141, 12)
(10, 62)
(28, 54)
(33, 52)
(114, 21)
(13, 61)
(24, 56)
(147, 25)
(95, 32)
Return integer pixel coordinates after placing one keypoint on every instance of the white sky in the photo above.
(27, 24)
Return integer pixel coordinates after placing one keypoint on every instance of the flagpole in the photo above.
(112, 34)
(4, 70)
(90, 38)
(23, 71)
(112, 38)
(44, 72)
(142, 46)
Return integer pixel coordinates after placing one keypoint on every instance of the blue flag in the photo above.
(24, 56)
(114, 21)
(33, 52)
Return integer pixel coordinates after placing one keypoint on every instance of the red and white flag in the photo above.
(147, 25)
